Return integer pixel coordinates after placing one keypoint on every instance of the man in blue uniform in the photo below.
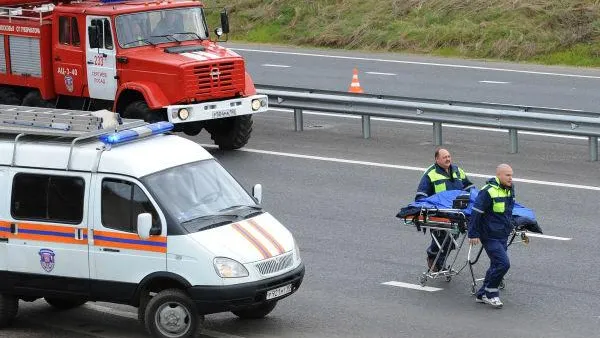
(490, 224)
(441, 176)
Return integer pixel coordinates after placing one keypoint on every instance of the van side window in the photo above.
(48, 198)
(122, 202)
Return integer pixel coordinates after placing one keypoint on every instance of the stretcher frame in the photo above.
(515, 233)
(453, 222)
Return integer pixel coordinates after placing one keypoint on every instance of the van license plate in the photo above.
(224, 113)
(284, 290)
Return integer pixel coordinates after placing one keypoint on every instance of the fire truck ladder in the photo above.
(61, 124)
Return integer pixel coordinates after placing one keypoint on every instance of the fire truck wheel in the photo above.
(232, 132)
(9, 305)
(63, 303)
(9, 96)
(140, 110)
(171, 313)
(255, 312)
(34, 99)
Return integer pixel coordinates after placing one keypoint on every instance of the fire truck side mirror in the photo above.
(94, 37)
(224, 21)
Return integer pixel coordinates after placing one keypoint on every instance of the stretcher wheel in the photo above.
(422, 280)
(502, 285)
(473, 289)
(448, 278)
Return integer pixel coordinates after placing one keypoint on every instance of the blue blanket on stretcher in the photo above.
(522, 216)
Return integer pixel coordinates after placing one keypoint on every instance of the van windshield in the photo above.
(201, 194)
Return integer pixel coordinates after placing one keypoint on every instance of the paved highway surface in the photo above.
(338, 194)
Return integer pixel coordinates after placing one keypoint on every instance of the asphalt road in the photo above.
(428, 77)
(338, 194)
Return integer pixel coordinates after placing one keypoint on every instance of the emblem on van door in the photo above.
(47, 259)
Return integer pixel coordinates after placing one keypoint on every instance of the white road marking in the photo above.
(383, 119)
(418, 63)
(128, 314)
(412, 286)
(275, 66)
(529, 234)
(384, 74)
(402, 167)
(494, 82)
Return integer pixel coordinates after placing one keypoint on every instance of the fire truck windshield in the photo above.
(160, 26)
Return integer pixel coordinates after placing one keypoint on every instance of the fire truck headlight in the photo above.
(256, 105)
(183, 114)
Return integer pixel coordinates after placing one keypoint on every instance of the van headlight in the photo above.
(229, 268)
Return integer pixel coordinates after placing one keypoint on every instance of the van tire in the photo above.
(255, 312)
(231, 132)
(140, 110)
(178, 304)
(9, 96)
(9, 306)
(64, 303)
(34, 99)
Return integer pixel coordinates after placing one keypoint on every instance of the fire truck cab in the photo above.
(150, 60)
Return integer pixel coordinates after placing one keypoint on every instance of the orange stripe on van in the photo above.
(248, 236)
(267, 235)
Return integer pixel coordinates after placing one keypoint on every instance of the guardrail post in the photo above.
(514, 140)
(298, 120)
(437, 133)
(593, 140)
(366, 126)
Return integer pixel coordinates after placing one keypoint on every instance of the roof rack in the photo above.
(61, 123)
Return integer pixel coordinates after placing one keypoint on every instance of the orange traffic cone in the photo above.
(355, 85)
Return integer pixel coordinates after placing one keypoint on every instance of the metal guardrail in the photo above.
(489, 115)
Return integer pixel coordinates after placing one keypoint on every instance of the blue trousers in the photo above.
(433, 248)
(499, 265)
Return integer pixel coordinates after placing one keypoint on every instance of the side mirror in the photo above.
(224, 21)
(257, 193)
(144, 225)
(94, 37)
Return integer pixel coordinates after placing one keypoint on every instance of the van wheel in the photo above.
(231, 132)
(64, 303)
(34, 99)
(172, 314)
(9, 306)
(140, 110)
(255, 312)
(9, 96)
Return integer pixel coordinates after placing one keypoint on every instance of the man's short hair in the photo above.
(437, 152)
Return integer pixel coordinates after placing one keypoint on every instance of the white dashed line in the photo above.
(275, 66)
(494, 82)
(412, 286)
(384, 74)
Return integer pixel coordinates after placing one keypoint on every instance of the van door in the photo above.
(101, 58)
(119, 258)
(47, 242)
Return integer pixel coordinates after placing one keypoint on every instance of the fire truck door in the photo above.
(100, 58)
(68, 58)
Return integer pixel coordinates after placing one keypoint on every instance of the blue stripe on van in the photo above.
(130, 241)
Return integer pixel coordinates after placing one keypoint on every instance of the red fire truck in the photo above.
(151, 59)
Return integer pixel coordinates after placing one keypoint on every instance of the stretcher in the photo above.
(453, 224)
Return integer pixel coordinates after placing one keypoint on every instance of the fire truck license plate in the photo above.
(284, 290)
(224, 113)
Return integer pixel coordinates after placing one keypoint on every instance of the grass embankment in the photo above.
(541, 31)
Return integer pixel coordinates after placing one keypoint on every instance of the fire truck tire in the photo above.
(255, 312)
(171, 313)
(9, 96)
(63, 303)
(34, 99)
(140, 110)
(9, 306)
(232, 132)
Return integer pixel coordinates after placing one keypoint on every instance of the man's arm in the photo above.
(482, 204)
(425, 188)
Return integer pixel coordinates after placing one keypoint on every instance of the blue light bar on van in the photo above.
(110, 1)
(136, 133)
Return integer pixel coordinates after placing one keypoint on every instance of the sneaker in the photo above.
(494, 301)
(479, 299)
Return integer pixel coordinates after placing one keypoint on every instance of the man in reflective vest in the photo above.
(441, 176)
(490, 224)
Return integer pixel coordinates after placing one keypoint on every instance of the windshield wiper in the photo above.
(255, 207)
(139, 40)
(168, 36)
(188, 33)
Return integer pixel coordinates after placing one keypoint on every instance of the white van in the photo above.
(131, 214)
